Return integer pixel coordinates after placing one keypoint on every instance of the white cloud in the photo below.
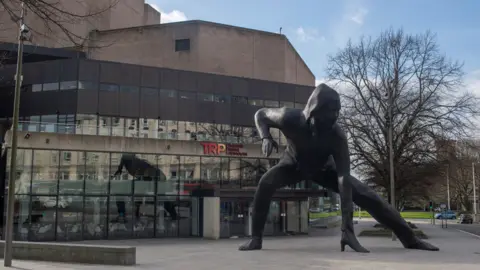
(310, 34)
(472, 82)
(169, 17)
(359, 15)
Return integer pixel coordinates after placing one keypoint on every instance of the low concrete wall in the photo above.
(72, 253)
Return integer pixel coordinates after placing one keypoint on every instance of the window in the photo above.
(271, 103)
(108, 87)
(186, 95)
(50, 86)
(128, 89)
(87, 85)
(182, 45)
(71, 85)
(204, 97)
(149, 91)
(168, 93)
(240, 100)
(287, 104)
(67, 156)
(222, 98)
(299, 105)
(36, 87)
(255, 102)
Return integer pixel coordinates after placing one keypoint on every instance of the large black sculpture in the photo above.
(317, 151)
(141, 170)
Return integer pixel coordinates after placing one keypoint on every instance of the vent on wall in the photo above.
(182, 45)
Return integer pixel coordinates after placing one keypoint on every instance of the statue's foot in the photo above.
(252, 244)
(422, 245)
(349, 239)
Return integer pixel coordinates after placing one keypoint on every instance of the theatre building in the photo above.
(79, 114)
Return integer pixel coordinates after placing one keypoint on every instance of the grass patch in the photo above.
(364, 214)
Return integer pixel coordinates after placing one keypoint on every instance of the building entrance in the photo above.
(233, 218)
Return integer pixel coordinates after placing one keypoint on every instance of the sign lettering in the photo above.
(221, 148)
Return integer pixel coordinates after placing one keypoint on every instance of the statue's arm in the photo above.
(267, 118)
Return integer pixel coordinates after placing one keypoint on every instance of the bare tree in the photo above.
(65, 21)
(428, 103)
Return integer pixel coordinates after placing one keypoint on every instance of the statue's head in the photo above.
(323, 107)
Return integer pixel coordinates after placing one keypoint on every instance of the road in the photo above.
(470, 228)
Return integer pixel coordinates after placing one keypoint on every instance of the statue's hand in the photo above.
(267, 146)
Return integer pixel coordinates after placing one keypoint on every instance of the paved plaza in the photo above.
(321, 250)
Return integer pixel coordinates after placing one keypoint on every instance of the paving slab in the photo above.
(320, 250)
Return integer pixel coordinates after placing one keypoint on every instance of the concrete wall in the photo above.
(211, 218)
(214, 48)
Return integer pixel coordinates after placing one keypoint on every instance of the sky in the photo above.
(318, 28)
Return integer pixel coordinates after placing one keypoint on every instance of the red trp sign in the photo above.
(221, 148)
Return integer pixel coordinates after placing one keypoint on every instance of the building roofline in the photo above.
(33, 49)
(161, 25)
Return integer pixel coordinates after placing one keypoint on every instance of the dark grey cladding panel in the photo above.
(33, 72)
(187, 110)
(108, 103)
(187, 80)
(149, 103)
(109, 72)
(263, 89)
(222, 113)
(51, 71)
(67, 102)
(205, 112)
(88, 71)
(205, 82)
(150, 77)
(69, 70)
(239, 87)
(168, 108)
(222, 85)
(242, 114)
(129, 104)
(169, 79)
(87, 101)
(286, 92)
(40, 103)
(302, 93)
(128, 74)
(7, 75)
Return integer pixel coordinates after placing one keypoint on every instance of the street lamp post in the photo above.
(474, 193)
(448, 187)
(13, 156)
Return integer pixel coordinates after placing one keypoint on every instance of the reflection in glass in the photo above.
(21, 217)
(48, 123)
(69, 85)
(144, 220)
(95, 226)
(42, 218)
(23, 173)
(148, 128)
(71, 174)
(45, 171)
(86, 124)
(255, 102)
(271, 104)
(108, 87)
(167, 225)
(105, 126)
(169, 165)
(118, 126)
(250, 175)
(87, 85)
(129, 89)
(66, 124)
(120, 217)
(234, 174)
(240, 100)
(145, 183)
(166, 93)
(189, 174)
(69, 218)
(121, 184)
(299, 105)
(221, 98)
(186, 95)
(186, 130)
(287, 104)
(131, 127)
(186, 218)
(97, 172)
(214, 170)
(204, 97)
(50, 86)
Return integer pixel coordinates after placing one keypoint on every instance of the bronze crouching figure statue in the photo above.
(317, 150)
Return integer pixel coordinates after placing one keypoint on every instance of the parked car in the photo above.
(465, 219)
(446, 215)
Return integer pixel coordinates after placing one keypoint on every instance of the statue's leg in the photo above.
(383, 212)
(278, 176)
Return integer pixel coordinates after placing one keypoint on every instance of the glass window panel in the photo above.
(120, 217)
(255, 102)
(240, 100)
(204, 97)
(49, 123)
(87, 85)
(250, 172)
(34, 125)
(214, 170)
(169, 165)
(23, 173)
(36, 87)
(69, 85)
(72, 172)
(45, 171)
(131, 127)
(95, 225)
(251, 135)
(42, 218)
(186, 95)
(189, 174)
(118, 126)
(122, 183)
(299, 105)
(97, 172)
(144, 219)
(222, 98)
(167, 93)
(66, 124)
(271, 104)
(148, 128)
(108, 87)
(129, 89)
(144, 180)
(186, 130)
(149, 91)
(167, 216)
(86, 124)
(287, 104)
(172, 129)
(21, 223)
(50, 86)
(233, 181)
(70, 218)
(188, 220)
(105, 126)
